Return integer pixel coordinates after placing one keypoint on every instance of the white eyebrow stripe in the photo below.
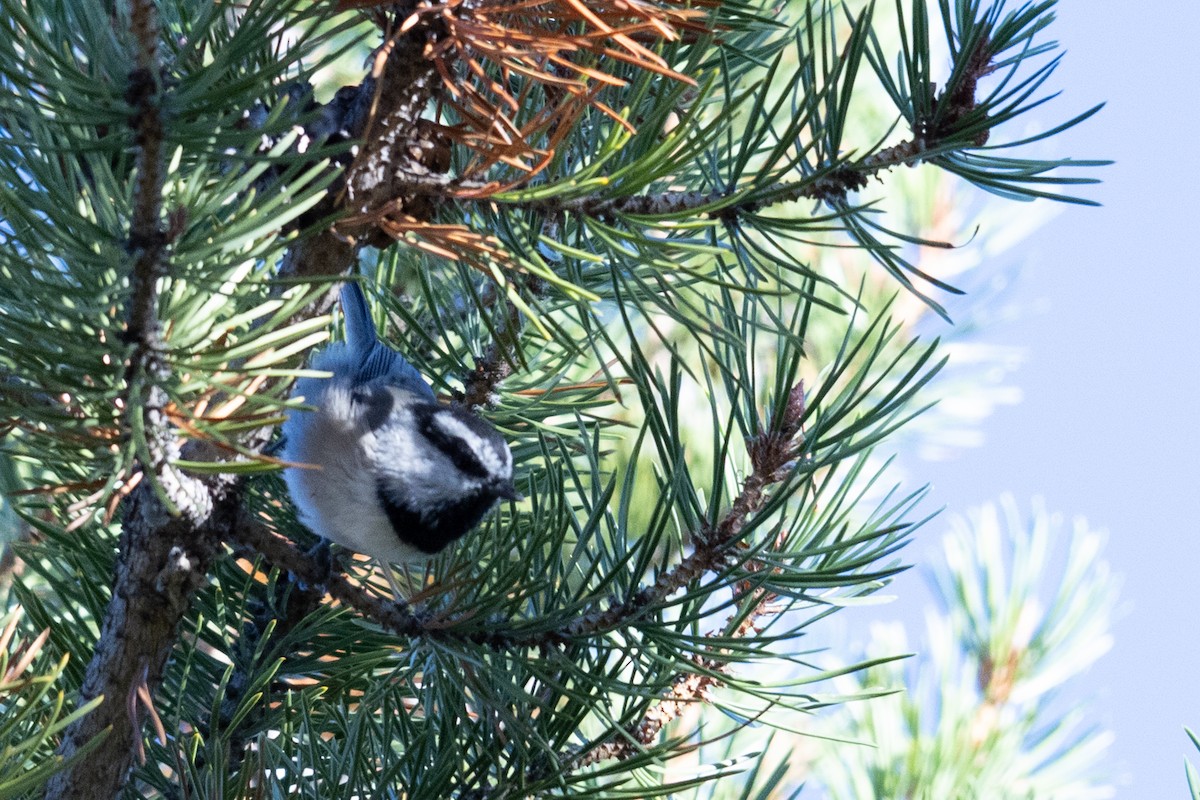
(495, 463)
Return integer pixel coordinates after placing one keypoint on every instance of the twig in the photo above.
(687, 688)
(770, 453)
(147, 240)
(496, 364)
(253, 534)
(831, 185)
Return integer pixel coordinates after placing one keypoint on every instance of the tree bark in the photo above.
(162, 561)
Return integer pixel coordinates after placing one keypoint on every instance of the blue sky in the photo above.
(1108, 427)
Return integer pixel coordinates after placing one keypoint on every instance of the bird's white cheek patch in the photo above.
(394, 451)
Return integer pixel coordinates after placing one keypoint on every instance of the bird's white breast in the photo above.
(334, 480)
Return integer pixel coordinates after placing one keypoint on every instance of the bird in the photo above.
(375, 463)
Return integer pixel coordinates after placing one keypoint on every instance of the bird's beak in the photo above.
(506, 490)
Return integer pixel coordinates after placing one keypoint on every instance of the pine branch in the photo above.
(497, 363)
(162, 561)
(513, 97)
(687, 689)
(383, 113)
(163, 558)
(936, 135)
(147, 242)
(173, 523)
(394, 139)
(257, 539)
(932, 137)
(167, 540)
(771, 454)
(1024, 605)
(566, 48)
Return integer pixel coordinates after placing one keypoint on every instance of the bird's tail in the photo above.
(374, 358)
(360, 328)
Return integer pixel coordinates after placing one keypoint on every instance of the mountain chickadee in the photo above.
(378, 465)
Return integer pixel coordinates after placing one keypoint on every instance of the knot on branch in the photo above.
(833, 187)
(957, 102)
(179, 577)
(773, 451)
(487, 375)
(405, 176)
(687, 688)
(498, 362)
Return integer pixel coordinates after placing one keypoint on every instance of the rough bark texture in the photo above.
(162, 561)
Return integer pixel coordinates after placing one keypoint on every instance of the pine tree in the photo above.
(1023, 607)
(650, 242)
